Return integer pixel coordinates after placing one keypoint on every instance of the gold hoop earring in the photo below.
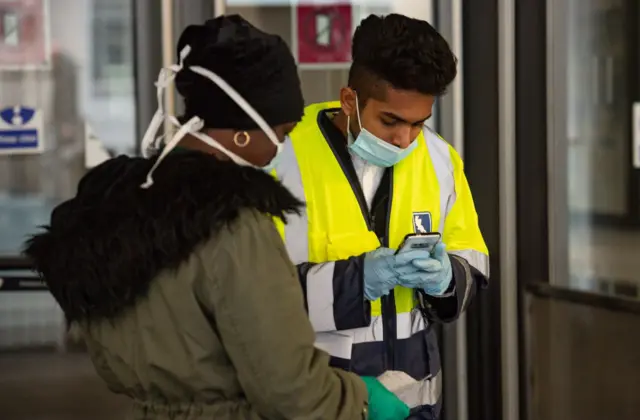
(243, 143)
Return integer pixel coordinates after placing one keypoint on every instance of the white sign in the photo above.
(21, 130)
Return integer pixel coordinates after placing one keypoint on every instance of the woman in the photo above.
(180, 283)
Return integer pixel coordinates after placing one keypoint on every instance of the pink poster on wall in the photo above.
(324, 33)
(24, 35)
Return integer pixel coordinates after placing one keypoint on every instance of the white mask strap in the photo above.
(358, 112)
(242, 103)
(213, 143)
(350, 138)
(149, 141)
(194, 124)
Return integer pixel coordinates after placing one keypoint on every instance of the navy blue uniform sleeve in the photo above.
(464, 285)
(334, 294)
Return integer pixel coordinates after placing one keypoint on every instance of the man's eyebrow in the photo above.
(402, 120)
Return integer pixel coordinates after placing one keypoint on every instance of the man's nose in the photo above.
(402, 137)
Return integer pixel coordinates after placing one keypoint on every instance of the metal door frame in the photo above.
(448, 21)
(147, 62)
(508, 217)
(480, 121)
(488, 146)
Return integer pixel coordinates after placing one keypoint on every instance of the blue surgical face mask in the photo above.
(373, 149)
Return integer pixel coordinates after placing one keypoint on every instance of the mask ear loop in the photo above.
(165, 77)
(350, 139)
(358, 111)
(238, 99)
(211, 142)
(208, 140)
(194, 124)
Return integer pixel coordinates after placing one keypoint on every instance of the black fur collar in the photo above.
(103, 247)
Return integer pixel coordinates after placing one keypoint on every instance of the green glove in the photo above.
(383, 404)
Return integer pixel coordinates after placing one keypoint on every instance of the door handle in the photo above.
(608, 80)
(595, 80)
(635, 135)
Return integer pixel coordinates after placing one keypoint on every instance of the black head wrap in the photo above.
(256, 64)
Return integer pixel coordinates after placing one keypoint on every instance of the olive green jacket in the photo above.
(193, 310)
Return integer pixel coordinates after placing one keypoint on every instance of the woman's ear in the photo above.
(348, 100)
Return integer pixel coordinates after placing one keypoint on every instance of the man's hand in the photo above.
(434, 275)
(383, 268)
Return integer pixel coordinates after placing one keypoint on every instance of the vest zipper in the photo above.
(388, 303)
(388, 311)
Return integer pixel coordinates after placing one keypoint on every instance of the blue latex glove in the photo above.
(383, 404)
(435, 273)
(382, 269)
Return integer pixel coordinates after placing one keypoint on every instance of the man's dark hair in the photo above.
(408, 54)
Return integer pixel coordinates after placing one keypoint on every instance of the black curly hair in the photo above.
(408, 54)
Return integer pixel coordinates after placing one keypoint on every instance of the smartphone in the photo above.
(426, 241)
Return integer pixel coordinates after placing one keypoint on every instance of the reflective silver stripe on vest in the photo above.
(295, 231)
(320, 277)
(468, 279)
(424, 392)
(441, 158)
(473, 258)
(340, 343)
(320, 297)
(443, 166)
(477, 259)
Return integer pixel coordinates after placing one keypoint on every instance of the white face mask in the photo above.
(150, 143)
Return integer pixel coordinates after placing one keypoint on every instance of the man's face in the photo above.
(397, 119)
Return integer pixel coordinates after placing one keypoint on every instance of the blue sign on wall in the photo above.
(20, 130)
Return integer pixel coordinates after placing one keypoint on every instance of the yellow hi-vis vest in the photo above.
(429, 189)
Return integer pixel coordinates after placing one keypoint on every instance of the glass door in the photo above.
(593, 181)
(578, 264)
(81, 89)
(67, 102)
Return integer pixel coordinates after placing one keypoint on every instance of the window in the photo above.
(594, 185)
(112, 53)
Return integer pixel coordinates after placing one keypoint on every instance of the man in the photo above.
(371, 172)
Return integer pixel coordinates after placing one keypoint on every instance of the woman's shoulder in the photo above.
(250, 229)
(244, 252)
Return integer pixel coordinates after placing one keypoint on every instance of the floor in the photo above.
(55, 386)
